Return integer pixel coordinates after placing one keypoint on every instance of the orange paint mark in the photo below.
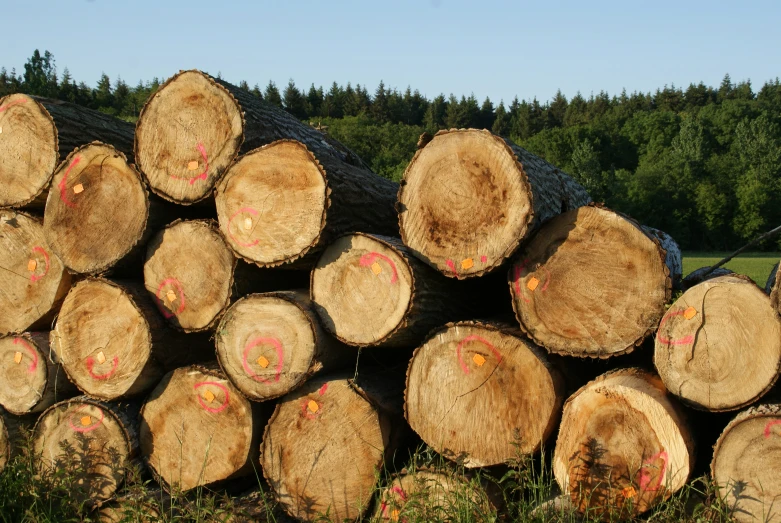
(247, 223)
(263, 362)
(376, 269)
(78, 188)
(86, 421)
(18, 358)
(532, 283)
(208, 396)
(171, 295)
(31, 265)
(467, 263)
(690, 313)
(313, 406)
(629, 492)
(193, 165)
(478, 359)
(101, 357)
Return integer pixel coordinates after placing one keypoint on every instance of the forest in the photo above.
(702, 163)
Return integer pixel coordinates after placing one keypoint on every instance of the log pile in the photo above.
(211, 350)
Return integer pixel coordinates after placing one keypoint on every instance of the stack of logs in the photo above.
(260, 307)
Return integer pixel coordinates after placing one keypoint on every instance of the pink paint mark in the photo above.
(180, 294)
(62, 185)
(89, 428)
(102, 377)
(452, 267)
(395, 490)
(201, 176)
(249, 210)
(323, 389)
(367, 259)
(33, 353)
(645, 474)
(474, 337)
(220, 386)
(8, 106)
(680, 341)
(483, 258)
(770, 425)
(33, 277)
(547, 279)
(280, 358)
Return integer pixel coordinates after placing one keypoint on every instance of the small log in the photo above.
(590, 283)
(32, 377)
(33, 280)
(702, 274)
(270, 344)
(623, 445)
(38, 133)
(113, 343)
(280, 204)
(729, 361)
(745, 464)
(93, 440)
(467, 366)
(316, 431)
(197, 429)
(469, 198)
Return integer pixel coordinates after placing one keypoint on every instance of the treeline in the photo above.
(702, 163)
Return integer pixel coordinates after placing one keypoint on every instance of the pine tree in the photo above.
(67, 88)
(314, 101)
(501, 124)
(103, 98)
(379, 108)
(294, 101)
(272, 95)
(487, 115)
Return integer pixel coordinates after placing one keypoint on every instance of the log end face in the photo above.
(23, 373)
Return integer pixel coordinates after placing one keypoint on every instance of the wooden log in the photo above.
(700, 275)
(281, 204)
(468, 198)
(32, 377)
(466, 366)
(270, 344)
(718, 347)
(316, 430)
(197, 429)
(623, 445)
(371, 291)
(590, 283)
(673, 258)
(38, 133)
(94, 441)
(33, 280)
(745, 464)
(113, 343)
(772, 288)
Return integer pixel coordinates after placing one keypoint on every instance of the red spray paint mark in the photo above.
(205, 172)
(280, 358)
(89, 428)
(62, 185)
(680, 341)
(474, 337)
(452, 267)
(33, 277)
(249, 210)
(547, 279)
(367, 259)
(645, 474)
(33, 353)
(102, 377)
(394, 490)
(205, 406)
(483, 258)
(180, 294)
(8, 106)
(323, 389)
(769, 427)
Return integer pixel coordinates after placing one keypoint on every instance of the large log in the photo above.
(623, 445)
(31, 375)
(468, 198)
(590, 283)
(371, 291)
(113, 343)
(463, 368)
(279, 203)
(197, 429)
(745, 465)
(270, 344)
(33, 280)
(719, 345)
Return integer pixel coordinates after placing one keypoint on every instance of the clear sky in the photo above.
(489, 48)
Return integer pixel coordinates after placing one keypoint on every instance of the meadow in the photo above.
(755, 265)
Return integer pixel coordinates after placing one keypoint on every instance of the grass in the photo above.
(755, 265)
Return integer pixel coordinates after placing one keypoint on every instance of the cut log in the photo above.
(32, 377)
(700, 275)
(718, 347)
(92, 440)
(673, 258)
(319, 428)
(469, 197)
(279, 203)
(623, 445)
(113, 343)
(36, 134)
(197, 429)
(468, 366)
(33, 280)
(590, 283)
(772, 288)
(745, 465)
(270, 344)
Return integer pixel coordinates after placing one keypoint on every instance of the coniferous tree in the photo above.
(379, 108)
(272, 95)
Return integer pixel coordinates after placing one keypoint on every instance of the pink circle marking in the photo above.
(201, 176)
(663, 339)
(179, 288)
(770, 426)
(220, 386)
(33, 277)
(90, 428)
(249, 210)
(102, 377)
(367, 259)
(280, 358)
(8, 106)
(645, 474)
(470, 338)
(63, 183)
(34, 365)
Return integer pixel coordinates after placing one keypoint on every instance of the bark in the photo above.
(673, 258)
(700, 275)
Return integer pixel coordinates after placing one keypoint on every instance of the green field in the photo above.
(755, 265)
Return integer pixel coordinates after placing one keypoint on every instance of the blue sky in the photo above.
(489, 48)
